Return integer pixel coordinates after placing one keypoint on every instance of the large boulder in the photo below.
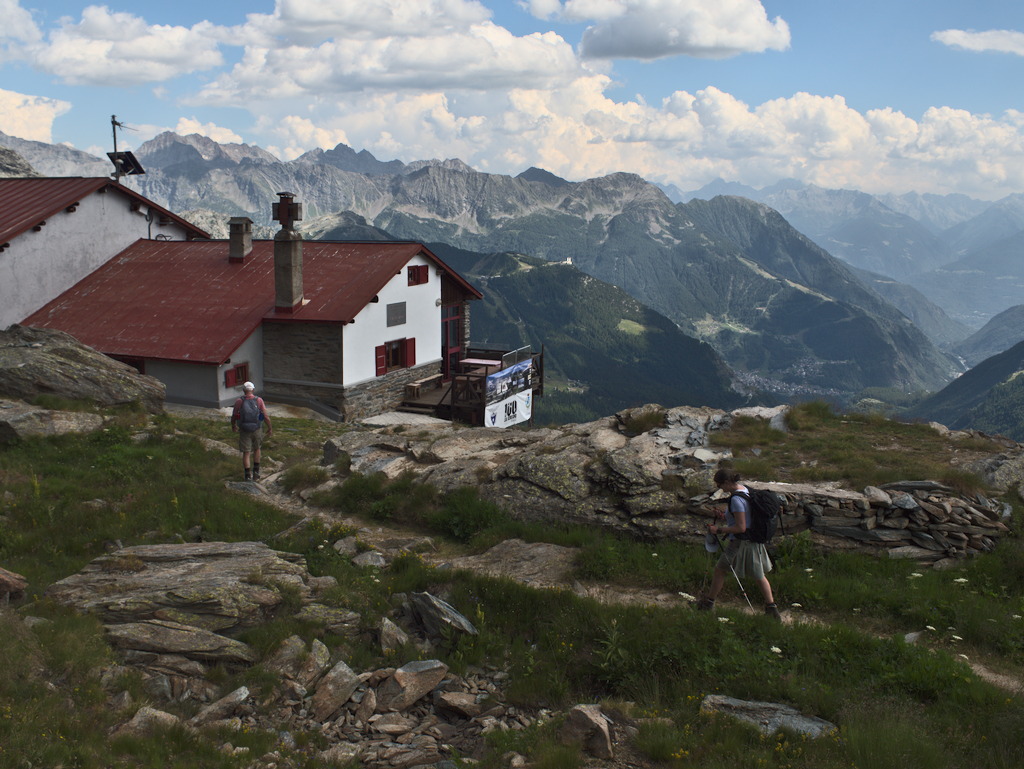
(35, 361)
(219, 586)
(19, 420)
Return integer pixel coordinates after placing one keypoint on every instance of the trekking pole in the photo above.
(737, 576)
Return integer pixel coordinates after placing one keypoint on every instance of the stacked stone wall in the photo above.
(923, 520)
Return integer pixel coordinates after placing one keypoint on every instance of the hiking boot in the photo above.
(248, 475)
(772, 610)
(706, 604)
(256, 472)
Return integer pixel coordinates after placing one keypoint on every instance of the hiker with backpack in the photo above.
(744, 554)
(247, 419)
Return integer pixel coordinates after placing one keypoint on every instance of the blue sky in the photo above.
(881, 96)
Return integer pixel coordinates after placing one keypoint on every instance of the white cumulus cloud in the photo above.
(654, 29)
(482, 56)
(29, 117)
(17, 30)
(188, 125)
(997, 40)
(119, 49)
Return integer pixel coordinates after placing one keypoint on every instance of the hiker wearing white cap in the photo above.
(247, 419)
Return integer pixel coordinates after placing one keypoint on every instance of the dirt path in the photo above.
(542, 566)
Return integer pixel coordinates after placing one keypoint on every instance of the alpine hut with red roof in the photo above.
(341, 327)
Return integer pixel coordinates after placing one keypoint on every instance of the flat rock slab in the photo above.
(194, 643)
(218, 586)
(769, 717)
(19, 420)
(540, 564)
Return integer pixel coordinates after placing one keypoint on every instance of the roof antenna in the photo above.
(125, 163)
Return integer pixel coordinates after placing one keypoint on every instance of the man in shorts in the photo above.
(247, 419)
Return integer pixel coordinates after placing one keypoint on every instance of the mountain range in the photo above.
(753, 273)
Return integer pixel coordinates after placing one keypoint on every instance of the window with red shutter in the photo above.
(418, 274)
(409, 354)
(381, 362)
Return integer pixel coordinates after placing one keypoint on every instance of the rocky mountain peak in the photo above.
(170, 148)
(12, 164)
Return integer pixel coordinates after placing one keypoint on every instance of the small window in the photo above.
(396, 354)
(418, 274)
(235, 376)
(396, 314)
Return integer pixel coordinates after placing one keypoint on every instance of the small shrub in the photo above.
(639, 423)
(463, 514)
(303, 477)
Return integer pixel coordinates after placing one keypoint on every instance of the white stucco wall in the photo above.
(250, 352)
(38, 267)
(422, 322)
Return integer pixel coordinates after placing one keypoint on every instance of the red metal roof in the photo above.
(183, 300)
(28, 201)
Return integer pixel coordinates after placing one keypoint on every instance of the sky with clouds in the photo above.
(879, 95)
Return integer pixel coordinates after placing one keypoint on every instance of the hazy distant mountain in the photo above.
(989, 397)
(56, 159)
(927, 316)
(980, 285)
(936, 212)
(1000, 220)
(998, 335)
(13, 164)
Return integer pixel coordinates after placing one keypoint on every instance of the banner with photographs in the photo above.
(510, 411)
(516, 378)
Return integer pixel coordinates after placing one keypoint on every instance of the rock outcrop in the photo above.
(36, 361)
(652, 484)
(19, 420)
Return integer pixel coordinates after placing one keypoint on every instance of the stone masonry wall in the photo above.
(381, 394)
(923, 520)
(308, 352)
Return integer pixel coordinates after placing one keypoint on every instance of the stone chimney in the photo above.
(287, 255)
(239, 238)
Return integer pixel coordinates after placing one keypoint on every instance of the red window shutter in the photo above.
(424, 273)
(410, 352)
(381, 360)
(229, 378)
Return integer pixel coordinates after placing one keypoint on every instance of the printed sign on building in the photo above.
(514, 379)
(510, 411)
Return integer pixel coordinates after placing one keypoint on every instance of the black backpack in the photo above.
(765, 514)
(249, 415)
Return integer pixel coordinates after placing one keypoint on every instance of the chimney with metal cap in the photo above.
(239, 238)
(287, 255)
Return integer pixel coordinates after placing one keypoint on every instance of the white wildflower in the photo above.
(808, 570)
(964, 656)
(1017, 616)
(776, 650)
(956, 638)
(687, 597)
(929, 627)
(723, 619)
(797, 605)
(915, 574)
(961, 580)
